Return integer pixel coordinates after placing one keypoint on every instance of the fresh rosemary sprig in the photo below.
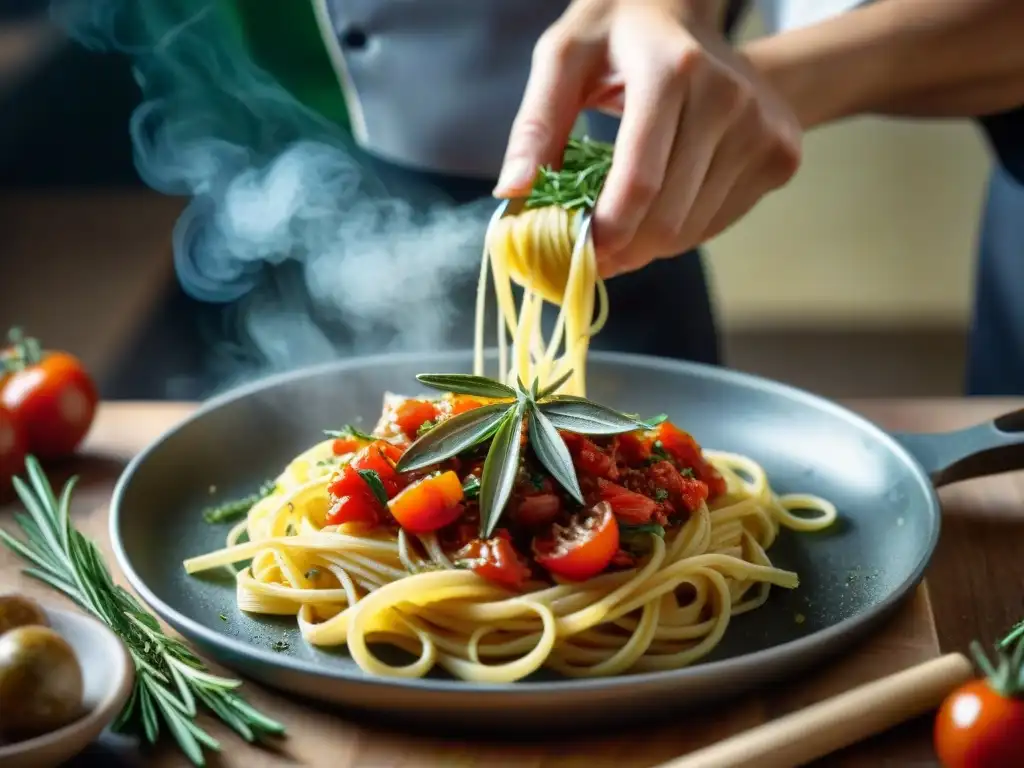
(170, 681)
(578, 182)
(502, 422)
(232, 510)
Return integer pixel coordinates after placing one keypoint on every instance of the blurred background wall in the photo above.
(854, 280)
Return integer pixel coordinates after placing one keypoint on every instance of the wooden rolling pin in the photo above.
(823, 728)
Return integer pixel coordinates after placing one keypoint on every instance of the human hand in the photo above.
(702, 138)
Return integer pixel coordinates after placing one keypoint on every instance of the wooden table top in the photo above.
(974, 579)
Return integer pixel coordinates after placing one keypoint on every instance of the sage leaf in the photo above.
(500, 469)
(553, 453)
(575, 414)
(553, 387)
(376, 485)
(453, 436)
(466, 384)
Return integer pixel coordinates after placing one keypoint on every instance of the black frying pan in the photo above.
(852, 576)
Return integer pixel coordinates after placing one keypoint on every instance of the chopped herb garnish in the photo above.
(687, 472)
(537, 481)
(230, 511)
(223, 617)
(425, 427)
(376, 485)
(312, 573)
(471, 487)
(660, 494)
(351, 433)
(279, 645)
(585, 165)
(658, 451)
(657, 530)
(289, 530)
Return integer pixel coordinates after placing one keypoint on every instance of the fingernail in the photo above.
(516, 176)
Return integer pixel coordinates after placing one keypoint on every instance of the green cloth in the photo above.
(283, 38)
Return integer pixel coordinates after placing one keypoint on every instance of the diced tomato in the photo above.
(413, 414)
(633, 448)
(379, 456)
(623, 559)
(629, 506)
(584, 549)
(686, 452)
(693, 493)
(684, 493)
(463, 403)
(588, 457)
(360, 507)
(496, 560)
(428, 504)
(538, 510)
(343, 445)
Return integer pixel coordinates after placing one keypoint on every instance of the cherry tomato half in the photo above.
(360, 507)
(50, 396)
(429, 504)
(12, 451)
(978, 727)
(584, 549)
(495, 559)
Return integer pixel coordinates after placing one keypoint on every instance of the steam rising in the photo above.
(271, 182)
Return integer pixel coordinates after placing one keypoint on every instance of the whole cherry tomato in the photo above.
(981, 724)
(12, 451)
(50, 396)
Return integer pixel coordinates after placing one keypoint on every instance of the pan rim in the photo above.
(228, 647)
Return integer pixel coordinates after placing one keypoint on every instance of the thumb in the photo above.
(551, 103)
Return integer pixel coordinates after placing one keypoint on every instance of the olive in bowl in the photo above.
(41, 683)
(20, 611)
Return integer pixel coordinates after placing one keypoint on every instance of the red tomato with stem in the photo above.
(12, 451)
(584, 549)
(981, 724)
(49, 394)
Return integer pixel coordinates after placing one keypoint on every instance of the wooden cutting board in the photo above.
(321, 738)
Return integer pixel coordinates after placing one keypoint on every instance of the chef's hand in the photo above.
(702, 137)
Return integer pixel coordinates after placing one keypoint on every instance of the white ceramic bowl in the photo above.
(108, 675)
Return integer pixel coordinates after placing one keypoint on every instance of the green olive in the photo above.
(20, 611)
(40, 682)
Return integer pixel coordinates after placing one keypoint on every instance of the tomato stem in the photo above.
(24, 351)
(1006, 678)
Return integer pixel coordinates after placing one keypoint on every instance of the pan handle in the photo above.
(984, 449)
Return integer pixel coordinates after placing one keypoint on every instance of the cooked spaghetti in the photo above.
(529, 528)
(672, 543)
(538, 249)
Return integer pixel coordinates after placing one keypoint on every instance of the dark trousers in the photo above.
(996, 356)
(191, 349)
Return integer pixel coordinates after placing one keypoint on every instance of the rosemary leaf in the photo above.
(466, 384)
(576, 414)
(553, 453)
(500, 469)
(453, 436)
(170, 681)
(237, 508)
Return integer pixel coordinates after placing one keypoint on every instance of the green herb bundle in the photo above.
(578, 182)
(171, 683)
